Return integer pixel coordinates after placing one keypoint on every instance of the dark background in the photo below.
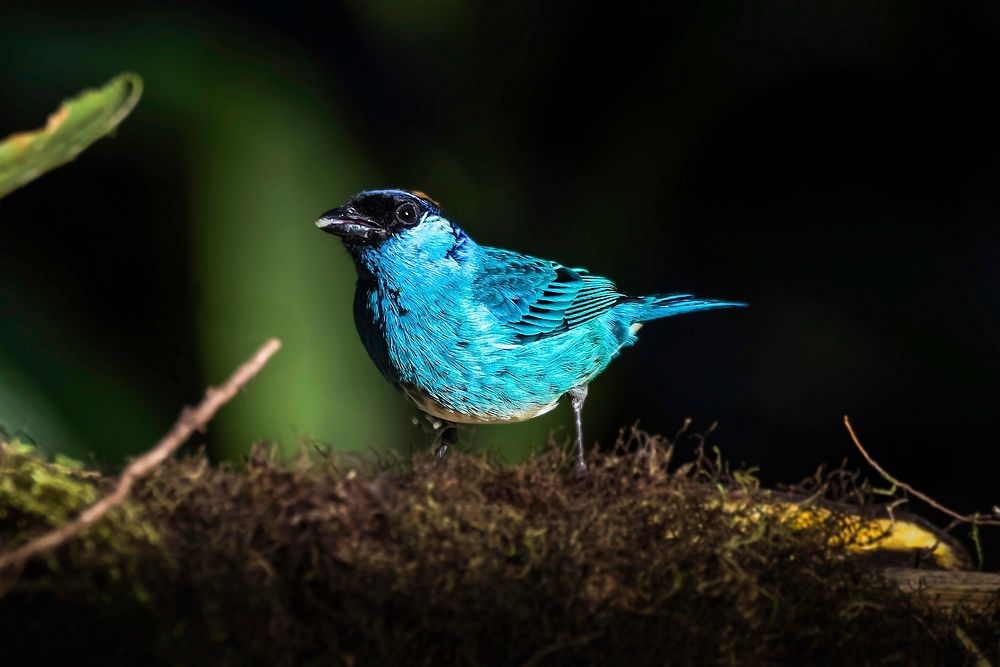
(833, 164)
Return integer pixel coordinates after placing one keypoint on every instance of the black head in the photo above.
(375, 215)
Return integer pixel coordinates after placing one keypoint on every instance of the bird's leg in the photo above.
(447, 435)
(577, 396)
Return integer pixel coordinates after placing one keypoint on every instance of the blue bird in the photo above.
(473, 334)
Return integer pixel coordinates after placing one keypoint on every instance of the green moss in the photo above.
(36, 494)
(38, 491)
(328, 560)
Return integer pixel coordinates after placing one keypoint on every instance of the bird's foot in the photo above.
(447, 434)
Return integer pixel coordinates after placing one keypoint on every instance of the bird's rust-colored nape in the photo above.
(427, 197)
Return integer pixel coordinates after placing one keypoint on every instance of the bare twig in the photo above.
(190, 420)
(978, 659)
(975, 519)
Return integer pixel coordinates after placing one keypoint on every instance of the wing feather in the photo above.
(536, 297)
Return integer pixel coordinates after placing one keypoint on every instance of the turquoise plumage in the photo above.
(474, 334)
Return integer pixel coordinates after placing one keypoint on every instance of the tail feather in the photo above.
(667, 305)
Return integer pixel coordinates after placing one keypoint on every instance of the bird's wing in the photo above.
(537, 297)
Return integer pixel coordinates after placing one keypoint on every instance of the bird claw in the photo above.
(447, 434)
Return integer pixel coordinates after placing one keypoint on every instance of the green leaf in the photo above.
(79, 122)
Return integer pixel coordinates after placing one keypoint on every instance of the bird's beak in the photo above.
(346, 222)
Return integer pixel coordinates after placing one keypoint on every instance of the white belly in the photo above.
(426, 403)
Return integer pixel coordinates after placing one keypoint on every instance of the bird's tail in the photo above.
(642, 308)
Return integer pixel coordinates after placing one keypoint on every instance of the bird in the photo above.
(473, 334)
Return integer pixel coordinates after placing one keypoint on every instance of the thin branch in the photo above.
(189, 421)
(975, 519)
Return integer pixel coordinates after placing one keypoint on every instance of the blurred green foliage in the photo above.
(266, 150)
(27, 410)
(25, 156)
(77, 123)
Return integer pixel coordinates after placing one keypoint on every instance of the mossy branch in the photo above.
(190, 420)
(334, 560)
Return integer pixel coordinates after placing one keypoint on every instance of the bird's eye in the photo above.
(407, 214)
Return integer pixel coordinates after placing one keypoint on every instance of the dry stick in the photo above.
(975, 519)
(190, 420)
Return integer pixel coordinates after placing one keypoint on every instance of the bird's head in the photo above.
(393, 222)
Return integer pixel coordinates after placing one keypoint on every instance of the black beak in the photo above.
(346, 222)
